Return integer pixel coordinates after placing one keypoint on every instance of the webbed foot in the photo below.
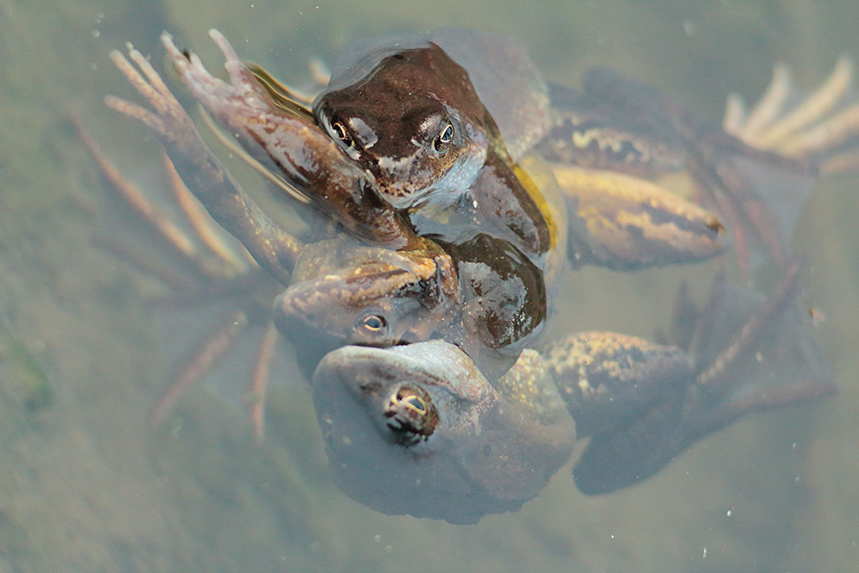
(202, 172)
(822, 127)
(757, 191)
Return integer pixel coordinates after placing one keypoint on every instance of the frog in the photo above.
(499, 205)
(408, 432)
(708, 222)
(257, 117)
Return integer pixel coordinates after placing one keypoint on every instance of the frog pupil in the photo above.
(441, 143)
(340, 132)
(415, 403)
(374, 323)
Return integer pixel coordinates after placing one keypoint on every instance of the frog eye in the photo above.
(374, 323)
(374, 326)
(444, 138)
(411, 415)
(339, 131)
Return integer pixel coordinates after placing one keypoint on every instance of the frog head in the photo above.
(415, 122)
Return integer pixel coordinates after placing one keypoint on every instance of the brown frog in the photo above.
(416, 123)
(502, 201)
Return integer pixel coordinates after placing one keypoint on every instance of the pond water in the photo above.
(86, 482)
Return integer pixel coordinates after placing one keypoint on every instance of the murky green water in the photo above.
(87, 485)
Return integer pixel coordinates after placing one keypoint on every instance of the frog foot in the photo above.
(168, 120)
(759, 179)
(821, 127)
(203, 173)
(212, 267)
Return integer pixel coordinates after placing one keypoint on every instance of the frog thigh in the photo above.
(752, 353)
(607, 378)
(627, 223)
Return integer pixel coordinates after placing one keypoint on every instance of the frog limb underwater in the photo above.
(820, 127)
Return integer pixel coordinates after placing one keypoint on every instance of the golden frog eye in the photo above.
(372, 329)
(374, 323)
(416, 404)
(411, 415)
(340, 132)
(442, 141)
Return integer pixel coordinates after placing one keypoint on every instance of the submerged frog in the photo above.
(415, 430)
(350, 196)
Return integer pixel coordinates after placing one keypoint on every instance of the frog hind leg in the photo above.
(211, 266)
(626, 223)
(743, 365)
(750, 177)
(606, 378)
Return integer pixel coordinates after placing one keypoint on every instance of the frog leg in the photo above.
(288, 142)
(206, 177)
(626, 223)
(761, 193)
(606, 378)
(750, 355)
(260, 378)
(772, 360)
(219, 270)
